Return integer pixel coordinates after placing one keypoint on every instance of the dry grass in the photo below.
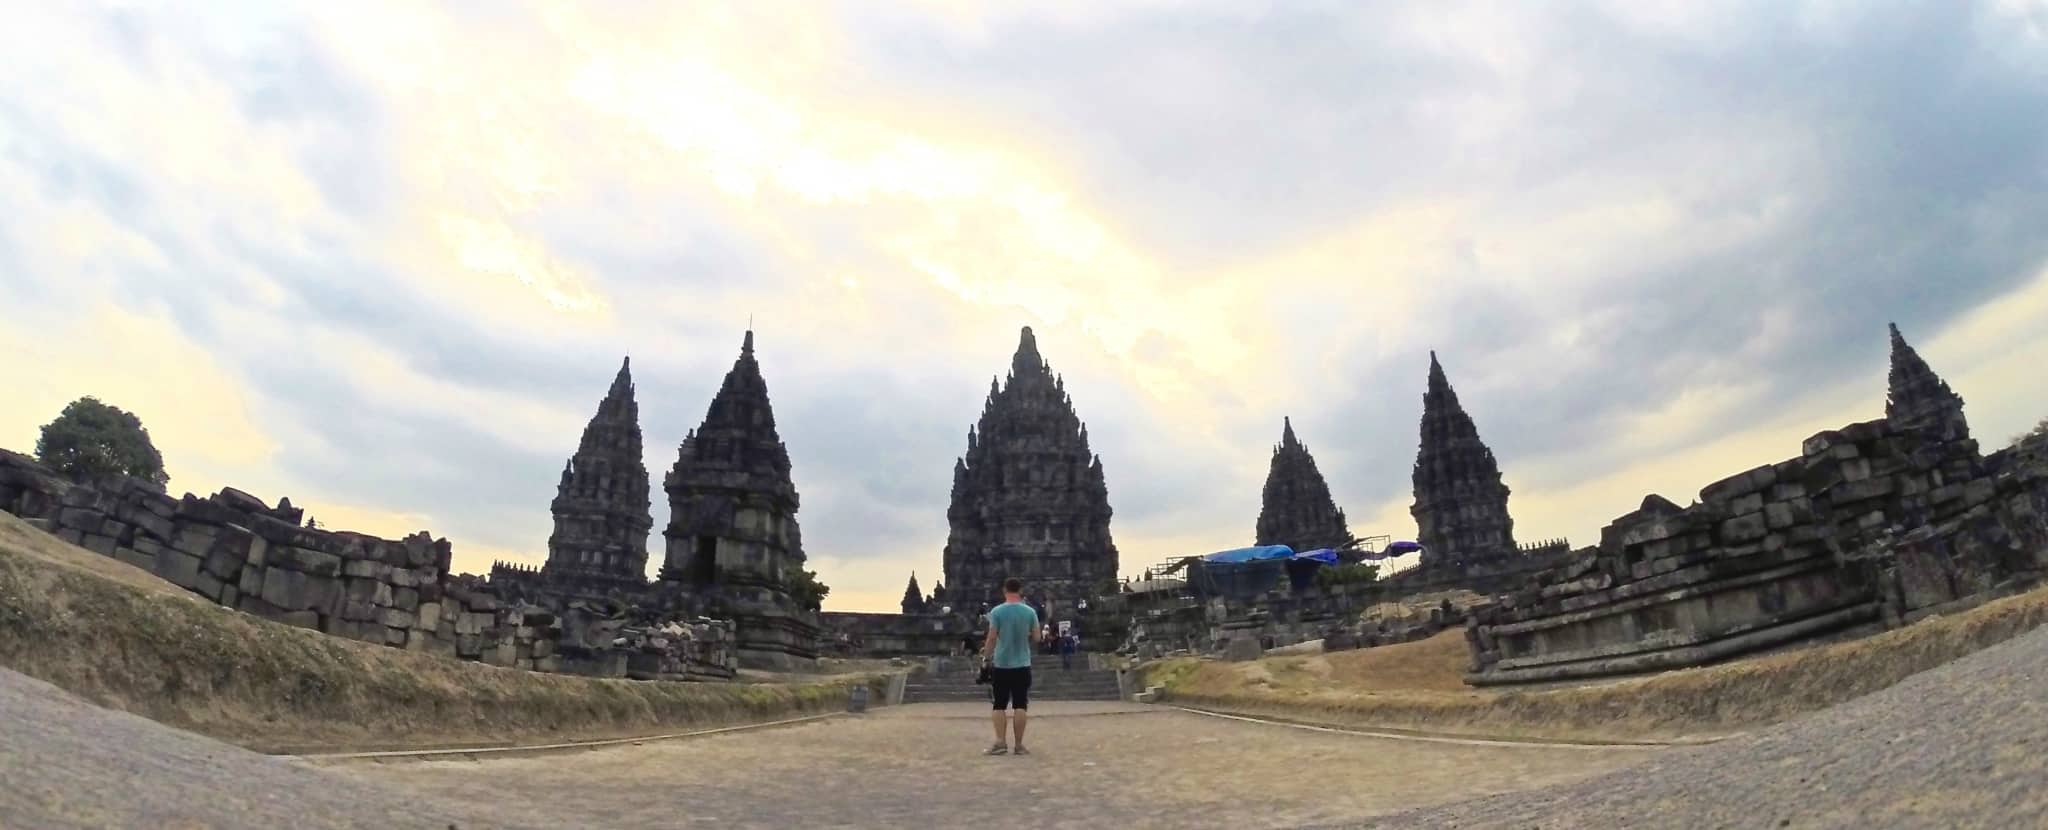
(1415, 686)
(124, 639)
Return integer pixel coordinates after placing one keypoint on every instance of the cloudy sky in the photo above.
(385, 259)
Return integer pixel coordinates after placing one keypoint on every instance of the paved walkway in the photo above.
(1961, 746)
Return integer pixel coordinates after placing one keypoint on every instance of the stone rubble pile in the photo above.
(234, 549)
(1871, 522)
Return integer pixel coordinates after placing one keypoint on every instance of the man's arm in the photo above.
(1037, 629)
(988, 644)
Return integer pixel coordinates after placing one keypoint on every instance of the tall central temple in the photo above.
(1029, 498)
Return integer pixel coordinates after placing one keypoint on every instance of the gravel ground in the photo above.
(1958, 747)
(1092, 765)
(66, 763)
(1964, 745)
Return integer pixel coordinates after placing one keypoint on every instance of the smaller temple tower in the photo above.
(600, 508)
(732, 532)
(913, 599)
(1296, 509)
(1461, 505)
(1919, 397)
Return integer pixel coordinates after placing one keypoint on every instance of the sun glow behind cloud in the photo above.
(396, 249)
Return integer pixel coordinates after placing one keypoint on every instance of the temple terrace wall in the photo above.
(1871, 524)
(234, 549)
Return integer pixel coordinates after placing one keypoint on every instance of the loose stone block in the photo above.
(395, 618)
(207, 585)
(430, 615)
(251, 581)
(287, 589)
(309, 561)
(137, 558)
(302, 619)
(1778, 515)
(195, 539)
(1745, 528)
(179, 568)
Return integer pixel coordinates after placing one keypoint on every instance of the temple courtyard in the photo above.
(1959, 746)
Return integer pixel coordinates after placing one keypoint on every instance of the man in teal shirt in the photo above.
(1012, 630)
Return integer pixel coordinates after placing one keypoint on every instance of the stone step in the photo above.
(984, 695)
(1037, 689)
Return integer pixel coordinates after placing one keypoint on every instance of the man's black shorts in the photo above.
(1011, 687)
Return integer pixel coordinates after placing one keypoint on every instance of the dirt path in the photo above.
(1093, 765)
(1960, 746)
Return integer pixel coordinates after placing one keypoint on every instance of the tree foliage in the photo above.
(1347, 574)
(809, 592)
(89, 440)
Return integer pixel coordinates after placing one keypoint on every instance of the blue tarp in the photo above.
(1324, 556)
(1254, 554)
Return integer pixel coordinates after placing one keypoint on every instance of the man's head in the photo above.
(1013, 589)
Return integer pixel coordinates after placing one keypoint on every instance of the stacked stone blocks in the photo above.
(233, 549)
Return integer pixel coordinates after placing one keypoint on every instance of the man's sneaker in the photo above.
(1020, 750)
(998, 749)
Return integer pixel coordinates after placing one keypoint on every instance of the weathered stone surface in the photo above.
(311, 562)
(1461, 505)
(601, 505)
(1920, 399)
(1240, 649)
(1295, 507)
(1029, 497)
(179, 568)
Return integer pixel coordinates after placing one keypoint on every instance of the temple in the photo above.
(1029, 499)
(601, 519)
(1461, 506)
(1920, 398)
(913, 599)
(1296, 508)
(732, 533)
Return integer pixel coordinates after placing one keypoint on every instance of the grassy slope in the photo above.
(1416, 686)
(122, 638)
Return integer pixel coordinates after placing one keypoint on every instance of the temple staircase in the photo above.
(953, 681)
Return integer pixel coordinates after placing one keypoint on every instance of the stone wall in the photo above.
(1870, 523)
(893, 635)
(234, 549)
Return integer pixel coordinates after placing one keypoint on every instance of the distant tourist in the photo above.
(1068, 644)
(1012, 629)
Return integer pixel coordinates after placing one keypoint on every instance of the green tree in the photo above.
(1347, 574)
(90, 439)
(808, 591)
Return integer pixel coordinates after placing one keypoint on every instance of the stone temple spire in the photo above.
(1029, 498)
(1296, 509)
(732, 528)
(913, 599)
(601, 518)
(1461, 506)
(1919, 397)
